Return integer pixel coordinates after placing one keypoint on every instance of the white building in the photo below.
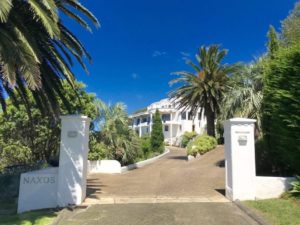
(175, 122)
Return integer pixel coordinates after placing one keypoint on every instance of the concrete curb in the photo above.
(144, 163)
(147, 199)
(250, 213)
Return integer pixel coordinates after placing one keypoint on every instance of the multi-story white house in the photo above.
(175, 122)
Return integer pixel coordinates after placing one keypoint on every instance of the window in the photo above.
(138, 121)
(166, 128)
(193, 128)
(199, 116)
(190, 117)
(144, 120)
(183, 115)
(166, 117)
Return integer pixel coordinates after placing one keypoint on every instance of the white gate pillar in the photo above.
(73, 160)
(240, 158)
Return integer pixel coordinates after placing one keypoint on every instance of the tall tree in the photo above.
(37, 49)
(243, 97)
(157, 136)
(205, 87)
(291, 26)
(273, 43)
(281, 107)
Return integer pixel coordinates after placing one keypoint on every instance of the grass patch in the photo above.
(41, 217)
(283, 211)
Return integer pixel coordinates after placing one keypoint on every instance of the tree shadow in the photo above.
(93, 187)
(178, 157)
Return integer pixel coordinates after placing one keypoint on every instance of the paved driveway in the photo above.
(171, 179)
(189, 191)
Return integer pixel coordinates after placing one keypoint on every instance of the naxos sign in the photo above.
(63, 185)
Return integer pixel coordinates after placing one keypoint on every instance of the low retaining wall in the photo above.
(104, 166)
(271, 187)
(38, 190)
(113, 166)
(144, 163)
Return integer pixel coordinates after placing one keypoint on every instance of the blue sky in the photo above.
(140, 43)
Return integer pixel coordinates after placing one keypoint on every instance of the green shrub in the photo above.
(281, 107)
(296, 186)
(187, 137)
(146, 145)
(14, 153)
(201, 145)
(99, 151)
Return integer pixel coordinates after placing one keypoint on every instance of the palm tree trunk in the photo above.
(210, 119)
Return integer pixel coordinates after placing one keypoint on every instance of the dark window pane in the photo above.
(166, 117)
(166, 128)
(183, 115)
(190, 116)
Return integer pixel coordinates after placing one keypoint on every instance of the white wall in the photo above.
(73, 160)
(271, 187)
(66, 184)
(104, 166)
(38, 190)
(241, 180)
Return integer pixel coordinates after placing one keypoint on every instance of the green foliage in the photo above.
(157, 136)
(37, 49)
(99, 150)
(296, 186)
(273, 43)
(243, 97)
(291, 26)
(187, 137)
(40, 217)
(14, 153)
(29, 135)
(121, 142)
(205, 87)
(146, 145)
(201, 145)
(281, 107)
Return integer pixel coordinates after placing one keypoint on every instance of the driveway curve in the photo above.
(170, 179)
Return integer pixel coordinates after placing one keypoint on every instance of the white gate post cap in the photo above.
(75, 117)
(241, 120)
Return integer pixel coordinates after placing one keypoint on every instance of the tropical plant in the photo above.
(205, 87)
(157, 136)
(243, 97)
(116, 134)
(201, 145)
(37, 49)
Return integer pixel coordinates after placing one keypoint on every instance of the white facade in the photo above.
(175, 122)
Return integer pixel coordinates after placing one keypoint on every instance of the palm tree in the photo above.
(37, 50)
(115, 132)
(205, 87)
(244, 94)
